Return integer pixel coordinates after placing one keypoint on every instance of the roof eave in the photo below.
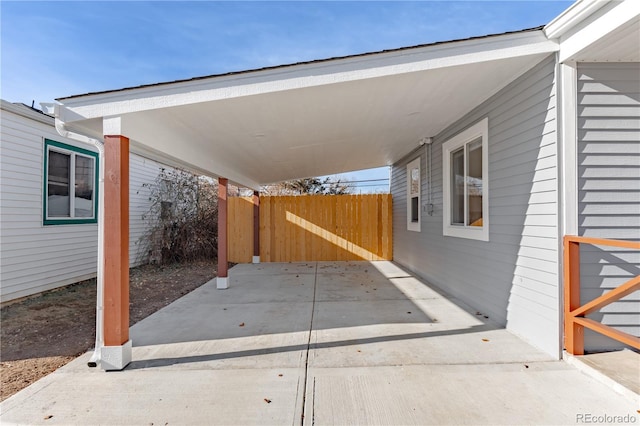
(293, 66)
(441, 55)
(572, 16)
(26, 111)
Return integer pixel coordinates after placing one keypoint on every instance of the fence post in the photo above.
(222, 281)
(573, 332)
(256, 227)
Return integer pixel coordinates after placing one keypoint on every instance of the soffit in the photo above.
(605, 31)
(621, 45)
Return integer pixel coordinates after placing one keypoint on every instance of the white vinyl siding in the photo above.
(142, 171)
(609, 189)
(514, 277)
(34, 257)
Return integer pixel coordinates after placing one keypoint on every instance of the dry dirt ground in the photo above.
(43, 333)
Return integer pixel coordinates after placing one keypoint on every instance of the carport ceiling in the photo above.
(315, 118)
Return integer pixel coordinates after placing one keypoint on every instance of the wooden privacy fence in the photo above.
(575, 315)
(312, 227)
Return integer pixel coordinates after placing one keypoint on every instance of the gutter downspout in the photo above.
(62, 131)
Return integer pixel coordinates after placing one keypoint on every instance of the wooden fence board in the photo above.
(265, 224)
(240, 229)
(312, 228)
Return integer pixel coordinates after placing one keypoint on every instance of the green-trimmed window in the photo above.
(70, 184)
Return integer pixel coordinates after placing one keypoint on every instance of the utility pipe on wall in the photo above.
(430, 181)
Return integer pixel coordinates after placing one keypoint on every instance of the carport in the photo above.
(342, 343)
(261, 126)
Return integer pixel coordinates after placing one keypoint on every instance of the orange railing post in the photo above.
(573, 333)
(574, 313)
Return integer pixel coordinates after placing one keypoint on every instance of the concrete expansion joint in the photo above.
(307, 351)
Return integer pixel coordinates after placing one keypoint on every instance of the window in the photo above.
(413, 195)
(70, 182)
(466, 183)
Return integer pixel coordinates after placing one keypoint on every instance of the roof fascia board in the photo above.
(596, 28)
(308, 75)
(27, 112)
(572, 16)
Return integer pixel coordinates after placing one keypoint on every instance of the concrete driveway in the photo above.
(320, 343)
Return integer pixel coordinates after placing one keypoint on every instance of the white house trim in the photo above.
(569, 147)
(480, 129)
(572, 16)
(411, 224)
(580, 33)
(26, 112)
(112, 125)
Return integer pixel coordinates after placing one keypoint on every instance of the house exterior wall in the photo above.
(142, 172)
(34, 257)
(608, 131)
(514, 277)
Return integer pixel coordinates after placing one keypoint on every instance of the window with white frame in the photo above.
(413, 195)
(466, 183)
(70, 182)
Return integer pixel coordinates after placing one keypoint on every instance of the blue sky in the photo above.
(55, 49)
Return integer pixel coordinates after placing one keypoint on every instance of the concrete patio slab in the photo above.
(620, 370)
(363, 286)
(496, 394)
(284, 268)
(410, 332)
(622, 366)
(254, 288)
(294, 343)
(198, 319)
(240, 327)
(159, 397)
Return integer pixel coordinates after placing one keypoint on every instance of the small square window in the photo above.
(70, 184)
(415, 216)
(413, 195)
(466, 184)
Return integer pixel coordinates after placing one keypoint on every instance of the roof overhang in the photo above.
(309, 119)
(25, 111)
(598, 31)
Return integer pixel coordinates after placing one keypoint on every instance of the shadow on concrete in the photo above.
(163, 362)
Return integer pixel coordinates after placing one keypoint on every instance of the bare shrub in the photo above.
(315, 185)
(182, 218)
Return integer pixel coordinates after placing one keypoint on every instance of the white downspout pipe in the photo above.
(62, 130)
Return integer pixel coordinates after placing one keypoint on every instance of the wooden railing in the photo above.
(574, 313)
